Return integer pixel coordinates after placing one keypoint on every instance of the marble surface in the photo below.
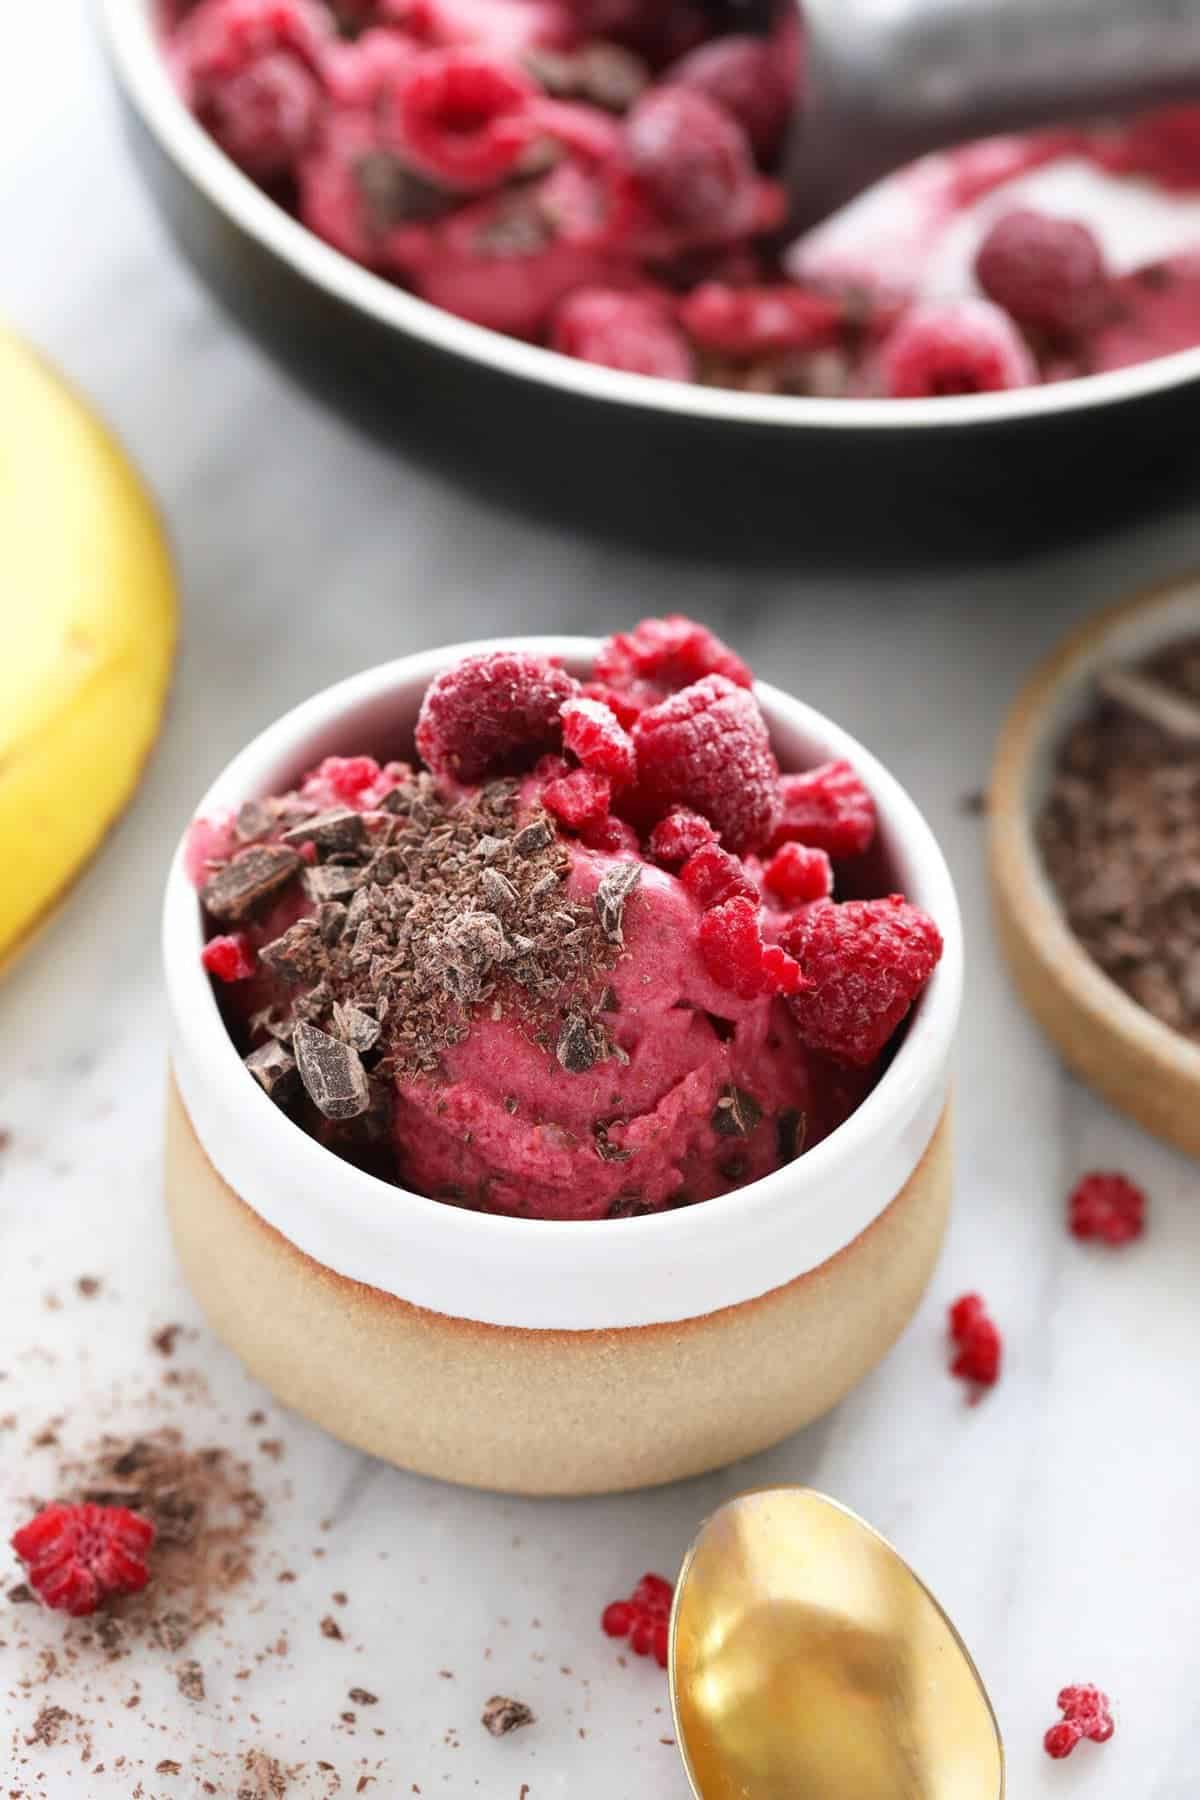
(1056, 1520)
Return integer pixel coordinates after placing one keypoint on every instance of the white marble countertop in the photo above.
(1057, 1521)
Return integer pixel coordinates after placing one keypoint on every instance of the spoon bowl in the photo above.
(807, 1659)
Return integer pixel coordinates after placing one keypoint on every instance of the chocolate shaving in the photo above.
(791, 1130)
(339, 829)
(501, 1715)
(330, 881)
(614, 889)
(579, 1046)
(332, 1073)
(499, 892)
(252, 877)
(535, 836)
(736, 1113)
(607, 1151)
(274, 1069)
(355, 1027)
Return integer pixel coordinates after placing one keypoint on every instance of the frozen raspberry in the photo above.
(742, 74)
(693, 161)
(580, 799)
(734, 952)
(465, 117)
(627, 708)
(977, 1340)
(866, 962)
(611, 835)
(1109, 1207)
(634, 331)
(597, 737)
(797, 874)
(250, 70)
(644, 1618)
(491, 713)
(1086, 1714)
(669, 653)
(711, 875)
(229, 958)
(220, 38)
(707, 748)
(340, 780)
(77, 1556)
(1048, 273)
(826, 808)
(679, 836)
(955, 347)
(761, 320)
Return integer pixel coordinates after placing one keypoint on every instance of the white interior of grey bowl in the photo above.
(142, 69)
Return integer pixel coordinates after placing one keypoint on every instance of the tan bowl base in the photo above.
(548, 1412)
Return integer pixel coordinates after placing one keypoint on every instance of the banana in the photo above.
(87, 636)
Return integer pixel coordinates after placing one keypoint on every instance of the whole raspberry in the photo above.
(580, 799)
(250, 70)
(1048, 273)
(711, 875)
(634, 331)
(761, 320)
(611, 835)
(1086, 1714)
(492, 713)
(464, 116)
(679, 835)
(644, 1618)
(668, 653)
(229, 958)
(77, 1556)
(743, 75)
(1109, 1207)
(866, 962)
(707, 748)
(597, 737)
(978, 1342)
(693, 161)
(797, 874)
(735, 954)
(827, 808)
(954, 347)
(626, 708)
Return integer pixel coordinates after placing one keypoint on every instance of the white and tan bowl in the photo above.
(549, 1357)
(1136, 1062)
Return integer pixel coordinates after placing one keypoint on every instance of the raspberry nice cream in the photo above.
(543, 1052)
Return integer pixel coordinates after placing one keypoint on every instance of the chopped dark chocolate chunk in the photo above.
(537, 835)
(606, 1150)
(488, 847)
(275, 1071)
(501, 1715)
(355, 1027)
(252, 877)
(628, 1206)
(614, 890)
(341, 828)
(736, 1113)
(791, 1129)
(330, 881)
(253, 820)
(498, 891)
(331, 921)
(297, 955)
(332, 1073)
(511, 1104)
(579, 1046)
(608, 1001)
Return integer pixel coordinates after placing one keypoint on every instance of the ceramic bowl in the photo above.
(539, 1356)
(1137, 1063)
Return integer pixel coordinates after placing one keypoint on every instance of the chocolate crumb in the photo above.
(511, 1104)
(611, 895)
(974, 803)
(275, 1071)
(89, 1286)
(361, 1697)
(251, 878)
(190, 1680)
(167, 1767)
(332, 1073)
(49, 1724)
(535, 836)
(21, 1595)
(331, 1629)
(577, 1049)
(736, 1113)
(501, 1715)
(164, 1341)
(607, 1151)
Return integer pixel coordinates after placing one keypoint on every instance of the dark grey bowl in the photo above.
(752, 476)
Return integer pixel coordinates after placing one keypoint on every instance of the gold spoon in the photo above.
(808, 1662)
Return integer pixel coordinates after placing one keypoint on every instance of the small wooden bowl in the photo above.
(1140, 1065)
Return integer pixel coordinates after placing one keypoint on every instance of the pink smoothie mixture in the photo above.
(586, 962)
(599, 176)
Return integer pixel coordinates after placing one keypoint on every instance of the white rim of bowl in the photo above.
(137, 56)
(914, 1080)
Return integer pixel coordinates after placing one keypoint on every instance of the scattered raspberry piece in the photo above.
(630, 330)
(672, 653)
(693, 161)
(340, 780)
(866, 962)
(978, 1340)
(645, 1618)
(1048, 273)
(1086, 1714)
(464, 116)
(229, 958)
(679, 835)
(626, 707)
(954, 347)
(580, 799)
(1109, 1207)
(611, 835)
(77, 1556)
(597, 737)
(733, 951)
(759, 320)
(711, 876)
(826, 808)
(490, 713)
(797, 874)
(743, 75)
(707, 748)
